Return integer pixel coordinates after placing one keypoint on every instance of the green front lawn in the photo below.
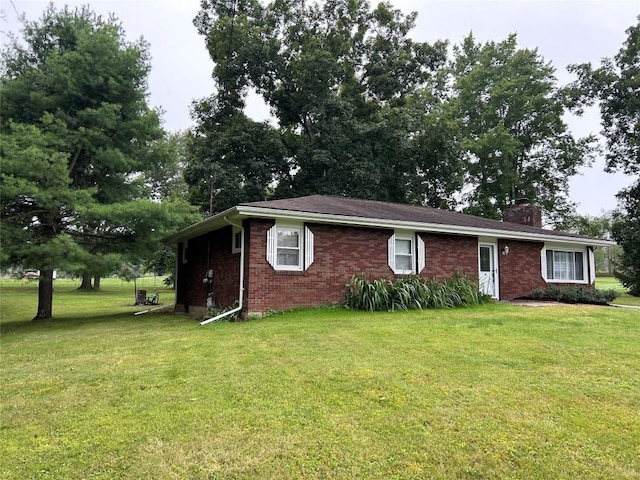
(495, 391)
(609, 283)
(612, 283)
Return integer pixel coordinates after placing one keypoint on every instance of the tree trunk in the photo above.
(86, 281)
(96, 282)
(45, 295)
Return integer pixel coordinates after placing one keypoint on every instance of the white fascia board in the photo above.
(259, 212)
(208, 224)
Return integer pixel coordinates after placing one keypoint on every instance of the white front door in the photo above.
(488, 271)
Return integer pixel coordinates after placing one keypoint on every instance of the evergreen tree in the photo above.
(77, 136)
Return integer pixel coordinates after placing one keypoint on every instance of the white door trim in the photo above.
(494, 267)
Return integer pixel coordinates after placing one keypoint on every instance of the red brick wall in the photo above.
(520, 270)
(524, 214)
(446, 254)
(191, 291)
(339, 253)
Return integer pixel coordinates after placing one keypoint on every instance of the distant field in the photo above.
(73, 283)
(496, 391)
(612, 283)
(114, 294)
(609, 283)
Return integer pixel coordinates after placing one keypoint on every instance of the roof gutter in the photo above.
(241, 288)
(199, 228)
(260, 212)
(244, 211)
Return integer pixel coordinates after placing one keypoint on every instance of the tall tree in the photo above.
(165, 180)
(514, 136)
(435, 167)
(626, 231)
(77, 134)
(336, 75)
(615, 85)
(232, 158)
(37, 202)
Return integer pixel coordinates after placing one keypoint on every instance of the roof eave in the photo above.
(245, 211)
(212, 223)
(260, 212)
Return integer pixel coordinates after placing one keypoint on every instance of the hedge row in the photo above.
(573, 294)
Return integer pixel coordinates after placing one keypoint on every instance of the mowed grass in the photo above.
(612, 283)
(495, 391)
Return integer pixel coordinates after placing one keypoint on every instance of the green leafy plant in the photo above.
(569, 294)
(412, 292)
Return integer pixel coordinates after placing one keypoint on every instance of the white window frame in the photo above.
(417, 252)
(236, 240)
(587, 263)
(305, 247)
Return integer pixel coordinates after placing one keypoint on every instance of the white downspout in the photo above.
(241, 292)
(154, 309)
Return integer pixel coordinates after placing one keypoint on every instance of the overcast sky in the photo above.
(564, 31)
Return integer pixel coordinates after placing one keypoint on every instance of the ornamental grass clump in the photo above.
(361, 294)
(411, 293)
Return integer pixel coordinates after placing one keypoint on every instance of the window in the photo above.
(403, 253)
(289, 247)
(486, 254)
(565, 265)
(236, 240)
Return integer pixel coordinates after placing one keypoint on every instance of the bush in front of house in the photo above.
(569, 294)
(412, 292)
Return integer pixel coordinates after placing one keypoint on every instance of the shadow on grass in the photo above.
(74, 308)
(75, 321)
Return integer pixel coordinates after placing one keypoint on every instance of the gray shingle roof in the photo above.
(369, 209)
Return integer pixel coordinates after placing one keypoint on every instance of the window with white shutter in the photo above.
(290, 247)
(402, 253)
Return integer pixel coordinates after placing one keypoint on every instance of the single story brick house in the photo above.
(281, 254)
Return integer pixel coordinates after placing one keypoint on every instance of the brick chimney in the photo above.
(524, 213)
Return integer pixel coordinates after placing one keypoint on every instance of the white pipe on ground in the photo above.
(153, 309)
(241, 292)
